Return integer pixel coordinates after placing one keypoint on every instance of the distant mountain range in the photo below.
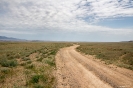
(3, 38)
(128, 41)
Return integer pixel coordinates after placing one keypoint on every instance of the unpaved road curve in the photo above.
(78, 71)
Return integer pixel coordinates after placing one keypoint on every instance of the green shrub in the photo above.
(53, 52)
(35, 78)
(8, 63)
(50, 62)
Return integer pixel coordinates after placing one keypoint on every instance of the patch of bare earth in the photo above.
(33, 56)
(35, 62)
(15, 79)
(79, 71)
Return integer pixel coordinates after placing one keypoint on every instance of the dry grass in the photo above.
(120, 54)
(28, 64)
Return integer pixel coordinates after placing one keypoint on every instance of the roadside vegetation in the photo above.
(28, 64)
(120, 54)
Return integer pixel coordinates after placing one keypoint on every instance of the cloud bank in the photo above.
(63, 15)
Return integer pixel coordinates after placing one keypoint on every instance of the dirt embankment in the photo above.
(78, 71)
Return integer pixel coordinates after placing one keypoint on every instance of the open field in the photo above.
(120, 54)
(50, 65)
(28, 64)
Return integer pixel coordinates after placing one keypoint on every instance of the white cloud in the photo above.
(15, 32)
(68, 15)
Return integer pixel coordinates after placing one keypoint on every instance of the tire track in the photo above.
(77, 71)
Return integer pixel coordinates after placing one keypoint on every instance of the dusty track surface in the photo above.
(78, 71)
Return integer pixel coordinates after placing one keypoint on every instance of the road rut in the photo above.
(75, 70)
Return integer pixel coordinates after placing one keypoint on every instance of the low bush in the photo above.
(35, 78)
(8, 63)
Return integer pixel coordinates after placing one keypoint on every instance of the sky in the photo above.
(67, 20)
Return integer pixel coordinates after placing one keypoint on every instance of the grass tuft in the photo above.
(35, 78)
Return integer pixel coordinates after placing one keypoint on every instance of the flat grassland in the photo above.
(32, 64)
(28, 64)
(120, 53)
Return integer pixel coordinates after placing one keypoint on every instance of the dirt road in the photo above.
(79, 71)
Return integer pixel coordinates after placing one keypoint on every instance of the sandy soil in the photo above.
(79, 71)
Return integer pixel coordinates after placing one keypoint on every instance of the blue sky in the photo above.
(67, 20)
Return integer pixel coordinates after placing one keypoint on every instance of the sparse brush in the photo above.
(2, 77)
(25, 58)
(27, 55)
(40, 59)
(8, 63)
(17, 55)
(10, 52)
(29, 62)
(5, 70)
(35, 78)
(52, 52)
(37, 56)
(23, 64)
(10, 57)
(120, 54)
(50, 62)
(30, 66)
